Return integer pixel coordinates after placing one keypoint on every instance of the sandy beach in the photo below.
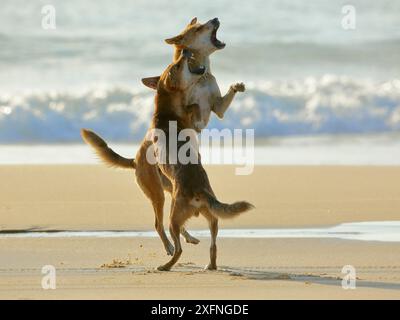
(73, 197)
(307, 92)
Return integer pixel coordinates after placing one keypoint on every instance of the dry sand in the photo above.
(97, 198)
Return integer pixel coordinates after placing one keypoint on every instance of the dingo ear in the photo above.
(151, 82)
(175, 40)
(194, 21)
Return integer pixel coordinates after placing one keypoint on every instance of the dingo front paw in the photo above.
(239, 87)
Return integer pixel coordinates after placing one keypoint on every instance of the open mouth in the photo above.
(218, 44)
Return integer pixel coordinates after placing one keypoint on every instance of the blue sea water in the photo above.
(305, 74)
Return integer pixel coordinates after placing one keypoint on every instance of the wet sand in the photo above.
(97, 198)
(248, 269)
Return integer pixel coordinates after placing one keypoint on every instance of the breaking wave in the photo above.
(311, 106)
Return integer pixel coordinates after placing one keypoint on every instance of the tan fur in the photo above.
(191, 189)
(153, 182)
(188, 184)
(206, 93)
(105, 153)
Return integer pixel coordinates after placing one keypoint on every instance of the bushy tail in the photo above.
(227, 211)
(105, 153)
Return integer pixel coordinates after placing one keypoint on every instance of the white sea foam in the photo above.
(311, 106)
(86, 72)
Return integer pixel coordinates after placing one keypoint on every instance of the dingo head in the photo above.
(198, 37)
(173, 87)
(179, 76)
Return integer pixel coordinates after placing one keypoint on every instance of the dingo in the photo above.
(188, 183)
(201, 40)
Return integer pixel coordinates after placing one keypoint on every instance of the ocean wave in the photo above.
(325, 105)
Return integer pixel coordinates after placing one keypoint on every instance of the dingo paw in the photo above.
(210, 266)
(163, 268)
(239, 87)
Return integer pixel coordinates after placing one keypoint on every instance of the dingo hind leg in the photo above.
(180, 212)
(148, 179)
(188, 237)
(213, 225)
